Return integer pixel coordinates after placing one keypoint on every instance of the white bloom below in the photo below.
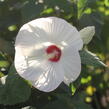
(3, 80)
(47, 53)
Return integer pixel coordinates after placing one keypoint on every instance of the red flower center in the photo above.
(54, 52)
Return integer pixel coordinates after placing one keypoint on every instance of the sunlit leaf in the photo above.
(88, 99)
(64, 5)
(4, 64)
(12, 28)
(82, 4)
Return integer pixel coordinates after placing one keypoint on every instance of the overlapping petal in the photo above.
(51, 29)
(27, 67)
(71, 64)
(51, 77)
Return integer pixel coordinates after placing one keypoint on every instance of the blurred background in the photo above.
(91, 90)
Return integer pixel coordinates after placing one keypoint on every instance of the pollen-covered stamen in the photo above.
(54, 53)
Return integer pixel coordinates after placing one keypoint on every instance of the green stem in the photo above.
(96, 102)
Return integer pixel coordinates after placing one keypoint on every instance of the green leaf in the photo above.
(1, 75)
(31, 10)
(4, 64)
(15, 90)
(86, 6)
(65, 5)
(89, 58)
(82, 4)
(93, 19)
(82, 105)
(63, 102)
(6, 46)
(79, 101)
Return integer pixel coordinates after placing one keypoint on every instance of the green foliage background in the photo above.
(91, 89)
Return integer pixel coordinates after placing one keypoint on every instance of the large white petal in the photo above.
(61, 31)
(51, 77)
(27, 66)
(71, 64)
(29, 35)
(56, 30)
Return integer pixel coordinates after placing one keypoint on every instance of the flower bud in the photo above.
(87, 34)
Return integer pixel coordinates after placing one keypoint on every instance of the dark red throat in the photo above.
(53, 49)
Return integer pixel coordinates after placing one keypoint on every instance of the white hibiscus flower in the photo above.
(47, 52)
